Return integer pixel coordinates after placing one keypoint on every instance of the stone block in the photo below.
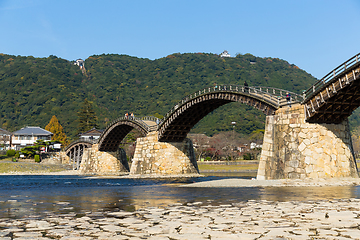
(307, 142)
(302, 147)
(316, 147)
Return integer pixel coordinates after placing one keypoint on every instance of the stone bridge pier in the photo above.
(103, 163)
(151, 157)
(163, 158)
(295, 149)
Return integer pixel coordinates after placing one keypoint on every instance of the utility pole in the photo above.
(233, 137)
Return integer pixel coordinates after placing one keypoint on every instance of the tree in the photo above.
(87, 117)
(31, 151)
(201, 144)
(55, 127)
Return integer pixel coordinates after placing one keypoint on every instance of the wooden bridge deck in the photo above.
(336, 96)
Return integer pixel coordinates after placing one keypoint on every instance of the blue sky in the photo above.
(316, 35)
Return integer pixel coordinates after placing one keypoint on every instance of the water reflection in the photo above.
(43, 195)
(308, 193)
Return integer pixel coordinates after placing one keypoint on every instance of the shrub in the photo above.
(10, 153)
(37, 158)
(17, 155)
(247, 156)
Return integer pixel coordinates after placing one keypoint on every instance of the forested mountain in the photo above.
(32, 90)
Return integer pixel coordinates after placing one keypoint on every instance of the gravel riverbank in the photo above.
(333, 219)
(252, 219)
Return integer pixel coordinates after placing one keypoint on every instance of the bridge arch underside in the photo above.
(112, 137)
(176, 127)
(75, 153)
(336, 101)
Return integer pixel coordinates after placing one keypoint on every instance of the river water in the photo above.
(36, 196)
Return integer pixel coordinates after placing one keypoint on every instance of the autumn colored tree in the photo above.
(87, 117)
(55, 127)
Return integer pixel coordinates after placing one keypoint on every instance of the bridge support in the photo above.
(163, 158)
(295, 149)
(103, 163)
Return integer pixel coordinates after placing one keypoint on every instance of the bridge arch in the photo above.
(178, 122)
(117, 130)
(333, 98)
(75, 151)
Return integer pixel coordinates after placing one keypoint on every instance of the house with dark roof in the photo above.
(5, 139)
(91, 135)
(27, 136)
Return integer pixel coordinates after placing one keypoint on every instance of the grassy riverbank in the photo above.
(241, 166)
(7, 166)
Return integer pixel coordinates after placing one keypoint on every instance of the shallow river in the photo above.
(40, 195)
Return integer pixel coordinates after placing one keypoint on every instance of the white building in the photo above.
(5, 139)
(27, 136)
(80, 63)
(91, 135)
(225, 54)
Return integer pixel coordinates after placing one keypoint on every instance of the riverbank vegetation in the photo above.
(29, 167)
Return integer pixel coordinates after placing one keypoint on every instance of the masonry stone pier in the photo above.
(104, 163)
(163, 158)
(295, 149)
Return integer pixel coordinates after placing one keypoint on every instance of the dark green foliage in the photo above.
(34, 89)
(87, 117)
(32, 151)
(10, 153)
(37, 158)
(248, 156)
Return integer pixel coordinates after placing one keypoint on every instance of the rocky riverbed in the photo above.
(326, 219)
(204, 219)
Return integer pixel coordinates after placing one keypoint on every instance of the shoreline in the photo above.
(224, 183)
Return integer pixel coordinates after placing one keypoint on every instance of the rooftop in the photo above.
(4, 132)
(92, 132)
(32, 131)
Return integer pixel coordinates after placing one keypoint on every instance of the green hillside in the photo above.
(34, 89)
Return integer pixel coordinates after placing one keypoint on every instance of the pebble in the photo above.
(254, 219)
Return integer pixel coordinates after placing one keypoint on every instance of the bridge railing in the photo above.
(154, 119)
(149, 118)
(355, 60)
(136, 119)
(81, 140)
(274, 95)
(281, 93)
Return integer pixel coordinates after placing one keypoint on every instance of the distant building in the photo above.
(27, 136)
(91, 135)
(255, 145)
(80, 63)
(225, 54)
(5, 139)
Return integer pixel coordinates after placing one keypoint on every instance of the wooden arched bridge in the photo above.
(111, 137)
(117, 130)
(330, 100)
(333, 98)
(178, 122)
(75, 151)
